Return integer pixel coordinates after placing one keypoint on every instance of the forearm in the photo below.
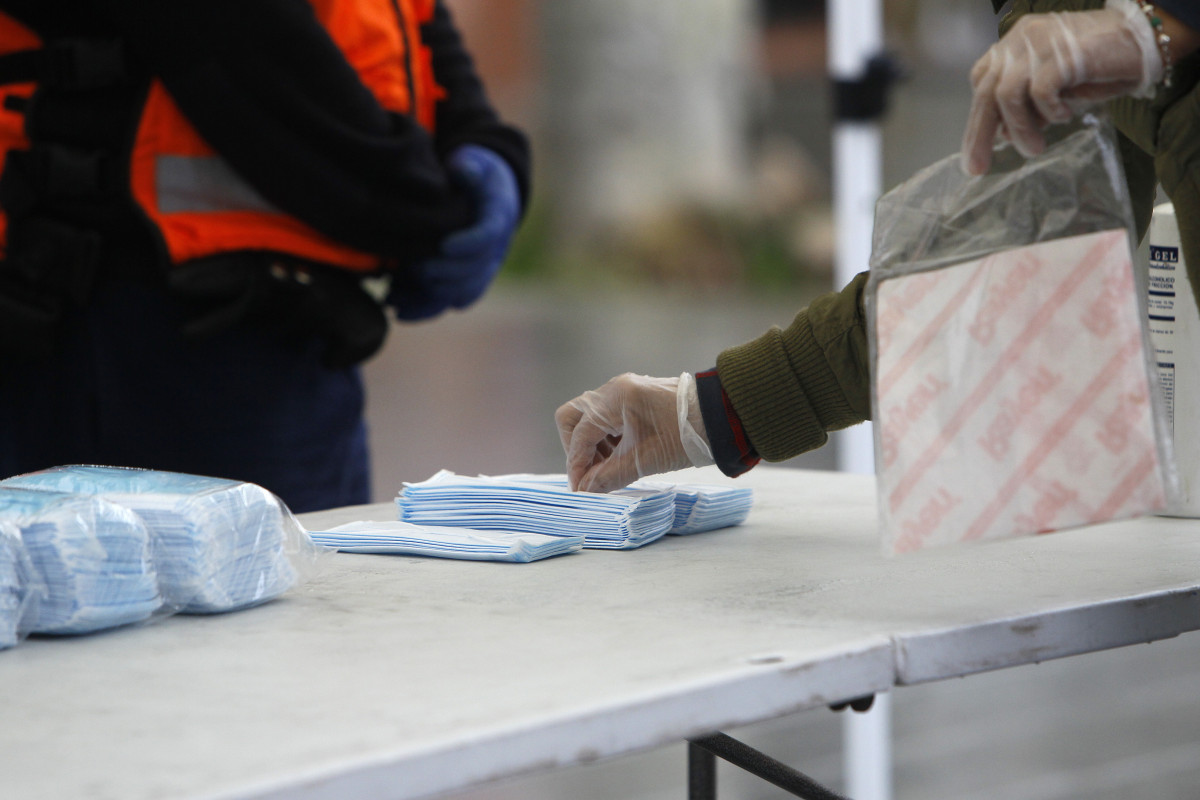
(1181, 21)
(791, 386)
(465, 115)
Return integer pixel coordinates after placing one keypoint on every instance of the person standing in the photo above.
(208, 208)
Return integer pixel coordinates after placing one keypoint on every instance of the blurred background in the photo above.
(681, 205)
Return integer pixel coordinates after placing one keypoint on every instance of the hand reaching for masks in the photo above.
(1049, 67)
(468, 259)
(631, 427)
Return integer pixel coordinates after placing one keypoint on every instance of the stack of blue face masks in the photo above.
(621, 520)
(219, 545)
(92, 557)
(403, 538)
(18, 586)
(700, 507)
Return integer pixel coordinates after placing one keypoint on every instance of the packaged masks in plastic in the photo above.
(91, 558)
(218, 545)
(1013, 386)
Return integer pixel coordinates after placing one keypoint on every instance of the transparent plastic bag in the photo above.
(90, 559)
(1013, 383)
(219, 545)
(20, 586)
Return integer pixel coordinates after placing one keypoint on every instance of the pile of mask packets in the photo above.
(500, 507)
(100, 547)
(91, 561)
(15, 579)
(700, 507)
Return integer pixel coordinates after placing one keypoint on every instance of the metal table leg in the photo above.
(702, 773)
(702, 783)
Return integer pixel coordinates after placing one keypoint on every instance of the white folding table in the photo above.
(397, 677)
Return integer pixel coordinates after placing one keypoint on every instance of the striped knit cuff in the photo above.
(731, 448)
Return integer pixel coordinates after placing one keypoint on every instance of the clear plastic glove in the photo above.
(631, 427)
(1049, 67)
(468, 259)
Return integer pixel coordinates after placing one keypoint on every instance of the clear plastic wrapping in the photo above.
(218, 545)
(1013, 384)
(91, 558)
(20, 587)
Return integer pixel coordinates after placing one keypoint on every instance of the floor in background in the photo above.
(476, 393)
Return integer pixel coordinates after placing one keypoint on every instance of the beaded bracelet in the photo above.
(1163, 40)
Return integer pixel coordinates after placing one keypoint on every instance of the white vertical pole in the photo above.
(855, 35)
(857, 177)
(867, 751)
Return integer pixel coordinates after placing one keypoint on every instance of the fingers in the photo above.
(493, 229)
(1058, 69)
(1003, 104)
(591, 428)
(625, 430)
(1018, 88)
(586, 437)
(983, 120)
(1020, 119)
(617, 471)
(589, 444)
(565, 419)
(496, 194)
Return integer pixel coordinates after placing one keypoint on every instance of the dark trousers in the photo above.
(127, 389)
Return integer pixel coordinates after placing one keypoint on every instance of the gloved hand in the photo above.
(468, 259)
(1049, 67)
(631, 427)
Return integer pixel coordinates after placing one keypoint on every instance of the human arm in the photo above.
(468, 259)
(1181, 18)
(791, 386)
(465, 116)
(774, 397)
(1051, 65)
(479, 152)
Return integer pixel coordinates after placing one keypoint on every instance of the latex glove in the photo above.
(631, 427)
(1049, 67)
(468, 259)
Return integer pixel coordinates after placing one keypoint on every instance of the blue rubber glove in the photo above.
(468, 259)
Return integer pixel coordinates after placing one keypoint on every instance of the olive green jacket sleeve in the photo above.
(791, 386)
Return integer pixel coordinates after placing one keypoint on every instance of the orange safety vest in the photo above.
(199, 204)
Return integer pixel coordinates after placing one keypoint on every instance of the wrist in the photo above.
(1172, 39)
(1185, 40)
(691, 422)
(731, 448)
(1141, 22)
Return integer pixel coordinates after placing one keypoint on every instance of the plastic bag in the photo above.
(1013, 387)
(218, 545)
(91, 559)
(20, 587)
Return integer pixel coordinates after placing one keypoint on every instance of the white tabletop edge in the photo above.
(769, 690)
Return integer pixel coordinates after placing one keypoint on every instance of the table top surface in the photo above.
(403, 677)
